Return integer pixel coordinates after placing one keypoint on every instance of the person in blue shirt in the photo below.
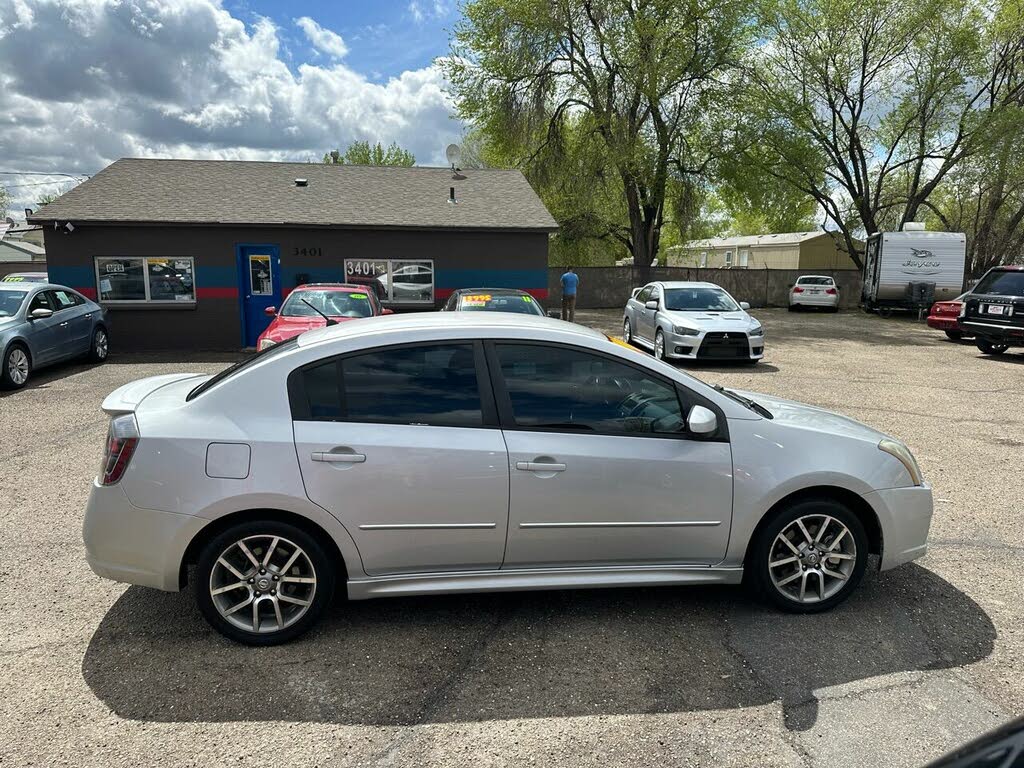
(570, 281)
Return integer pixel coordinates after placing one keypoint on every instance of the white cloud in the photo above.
(324, 40)
(84, 82)
(421, 10)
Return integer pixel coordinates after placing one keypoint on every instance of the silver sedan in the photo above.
(467, 452)
(42, 324)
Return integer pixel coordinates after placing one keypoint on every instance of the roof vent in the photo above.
(451, 195)
(914, 226)
(301, 183)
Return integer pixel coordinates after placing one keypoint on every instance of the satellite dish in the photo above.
(454, 153)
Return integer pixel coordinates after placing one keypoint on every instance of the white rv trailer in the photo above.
(894, 260)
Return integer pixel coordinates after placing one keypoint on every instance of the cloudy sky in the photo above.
(84, 82)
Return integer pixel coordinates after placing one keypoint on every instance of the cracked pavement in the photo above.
(921, 659)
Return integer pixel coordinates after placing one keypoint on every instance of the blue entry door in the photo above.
(259, 268)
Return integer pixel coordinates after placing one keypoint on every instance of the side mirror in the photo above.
(702, 421)
(651, 305)
(554, 313)
(387, 311)
(744, 305)
(270, 311)
(40, 314)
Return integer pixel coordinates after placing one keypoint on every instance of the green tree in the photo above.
(364, 153)
(618, 92)
(5, 202)
(45, 200)
(867, 106)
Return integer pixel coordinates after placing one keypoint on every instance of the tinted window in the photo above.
(1001, 283)
(241, 365)
(643, 295)
(40, 301)
(63, 299)
(433, 385)
(815, 281)
(564, 388)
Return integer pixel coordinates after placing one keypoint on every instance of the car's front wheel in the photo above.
(991, 349)
(263, 582)
(810, 557)
(627, 331)
(659, 345)
(17, 365)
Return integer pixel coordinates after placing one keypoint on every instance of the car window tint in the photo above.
(40, 301)
(815, 281)
(643, 295)
(62, 299)
(564, 388)
(431, 384)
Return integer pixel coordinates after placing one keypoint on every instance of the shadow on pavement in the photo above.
(524, 655)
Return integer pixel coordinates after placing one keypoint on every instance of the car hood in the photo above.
(713, 321)
(790, 413)
(284, 328)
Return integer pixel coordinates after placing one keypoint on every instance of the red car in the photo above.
(943, 316)
(309, 306)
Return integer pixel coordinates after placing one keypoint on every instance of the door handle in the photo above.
(539, 466)
(339, 458)
(64, 324)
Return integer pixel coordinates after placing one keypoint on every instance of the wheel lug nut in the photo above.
(257, 593)
(262, 572)
(273, 591)
(252, 581)
(275, 578)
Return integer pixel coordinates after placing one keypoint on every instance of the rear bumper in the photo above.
(904, 516)
(943, 323)
(1006, 334)
(134, 545)
(818, 300)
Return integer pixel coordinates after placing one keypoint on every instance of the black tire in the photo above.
(100, 346)
(627, 331)
(833, 310)
(20, 351)
(658, 335)
(954, 335)
(761, 550)
(323, 570)
(989, 348)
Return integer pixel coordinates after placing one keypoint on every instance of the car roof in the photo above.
(686, 284)
(474, 323)
(499, 291)
(1010, 267)
(828, 277)
(30, 286)
(349, 287)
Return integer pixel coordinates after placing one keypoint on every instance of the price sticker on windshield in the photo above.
(358, 295)
(477, 299)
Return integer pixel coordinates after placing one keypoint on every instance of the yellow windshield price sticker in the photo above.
(478, 299)
(358, 295)
(527, 299)
(14, 279)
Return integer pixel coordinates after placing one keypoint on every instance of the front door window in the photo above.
(260, 281)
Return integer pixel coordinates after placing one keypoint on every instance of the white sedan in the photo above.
(814, 291)
(466, 452)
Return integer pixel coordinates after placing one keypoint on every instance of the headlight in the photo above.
(901, 452)
(684, 331)
(266, 344)
(759, 331)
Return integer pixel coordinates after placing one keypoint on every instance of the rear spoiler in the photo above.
(127, 398)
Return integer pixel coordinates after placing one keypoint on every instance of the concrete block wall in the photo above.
(607, 287)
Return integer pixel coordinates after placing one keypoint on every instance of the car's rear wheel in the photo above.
(991, 349)
(100, 347)
(17, 366)
(627, 331)
(810, 557)
(954, 335)
(263, 582)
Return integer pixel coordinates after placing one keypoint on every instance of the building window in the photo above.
(134, 279)
(403, 281)
(728, 258)
(703, 259)
(744, 258)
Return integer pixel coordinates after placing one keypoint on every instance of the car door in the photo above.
(75, 325)
(649, 317)
(602, 470)
(402, 445)
(637, 311)
(64, 330)
(42, 335)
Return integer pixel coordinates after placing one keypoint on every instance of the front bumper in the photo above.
(702, 346)
(904, 516)
(135, 545)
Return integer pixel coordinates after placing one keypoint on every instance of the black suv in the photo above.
(994, 310)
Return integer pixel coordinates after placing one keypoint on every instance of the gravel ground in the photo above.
(920, 660)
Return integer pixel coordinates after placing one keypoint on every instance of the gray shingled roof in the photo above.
(259, 193)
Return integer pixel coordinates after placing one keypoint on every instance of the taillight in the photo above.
(798, 289)
(122, 437)
(831, 291)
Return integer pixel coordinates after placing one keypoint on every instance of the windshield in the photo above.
(815, 281)
(241, 365)
(698, 300)
(486, 302)
(1001, 283)
(10, 302)
(331, 303)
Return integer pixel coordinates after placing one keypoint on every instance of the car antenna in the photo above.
(329, 320)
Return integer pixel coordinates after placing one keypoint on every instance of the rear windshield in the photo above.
(815, 281)
(486, 302)
(241, 365)
(1002, 283)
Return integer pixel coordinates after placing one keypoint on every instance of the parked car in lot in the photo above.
(492, 300)
(463, 452)
(691, 321)
(316, 305)
(944, 316)
(994, 310)
(25, 277)
(42, 324)
(814, 291)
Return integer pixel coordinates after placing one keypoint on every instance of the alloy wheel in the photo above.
(812, 558)
(659, 346)
(17, 366)
(100, 345)
(627, 332)
(263, 583)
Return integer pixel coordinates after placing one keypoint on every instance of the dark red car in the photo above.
(943, 316)
(309, 306)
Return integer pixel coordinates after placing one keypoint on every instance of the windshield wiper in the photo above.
(746, 401)
(325, 317)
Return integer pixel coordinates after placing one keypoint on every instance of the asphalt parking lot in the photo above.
(921, 659)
